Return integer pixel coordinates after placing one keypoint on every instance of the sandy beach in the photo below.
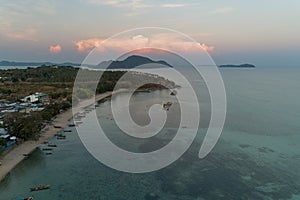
(16, 155)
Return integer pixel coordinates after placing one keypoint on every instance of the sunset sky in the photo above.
(265, 33)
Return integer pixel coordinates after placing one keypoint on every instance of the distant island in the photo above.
(128, 63)
(238, 66)
(32, 64)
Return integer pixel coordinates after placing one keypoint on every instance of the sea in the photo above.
(257, 156)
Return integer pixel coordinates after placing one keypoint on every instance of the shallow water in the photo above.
(257, 157)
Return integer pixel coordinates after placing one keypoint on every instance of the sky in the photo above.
(264, 33)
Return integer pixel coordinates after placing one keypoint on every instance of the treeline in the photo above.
(40, 74)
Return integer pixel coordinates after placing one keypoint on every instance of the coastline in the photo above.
(16, 155)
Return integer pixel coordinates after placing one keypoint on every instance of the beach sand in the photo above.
(16, 155)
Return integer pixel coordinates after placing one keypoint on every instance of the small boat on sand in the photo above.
(42, 187)
(61, 137)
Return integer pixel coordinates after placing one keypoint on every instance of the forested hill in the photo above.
(132, 62)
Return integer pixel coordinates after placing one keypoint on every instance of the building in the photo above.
(37, 97)
(3, 131)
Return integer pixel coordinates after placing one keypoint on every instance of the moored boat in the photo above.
(42, 187)
(61, 137)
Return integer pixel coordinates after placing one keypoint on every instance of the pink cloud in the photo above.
(87, 45)
(163, 41)
(207, 48)
(55, 49)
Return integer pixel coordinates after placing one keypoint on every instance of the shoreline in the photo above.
(10, 160)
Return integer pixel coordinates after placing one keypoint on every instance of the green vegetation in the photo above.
(23, 126)
(28, 126)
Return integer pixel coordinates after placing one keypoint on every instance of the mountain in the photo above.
(30, 64)
(238, 66)
(130, 62)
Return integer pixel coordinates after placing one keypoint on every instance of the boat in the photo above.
(67, 130)
(42, 187)
(52, 145)
(62, 137)
(173, 93)
(56, 126)
(72, 125)
(167, 105)
(47, 149)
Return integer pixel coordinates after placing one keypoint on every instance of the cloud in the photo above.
(87, 45)
(222, 10)
(55, 49)
(163, 41)
(173, 5)
(207, 48)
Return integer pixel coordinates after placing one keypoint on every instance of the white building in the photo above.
(3, 131)
(33, 98)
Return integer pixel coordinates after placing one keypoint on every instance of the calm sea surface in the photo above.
(257, 157)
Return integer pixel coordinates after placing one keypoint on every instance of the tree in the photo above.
(2, 142)
(24, 126)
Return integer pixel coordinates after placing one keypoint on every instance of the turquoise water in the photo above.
(257, 157)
